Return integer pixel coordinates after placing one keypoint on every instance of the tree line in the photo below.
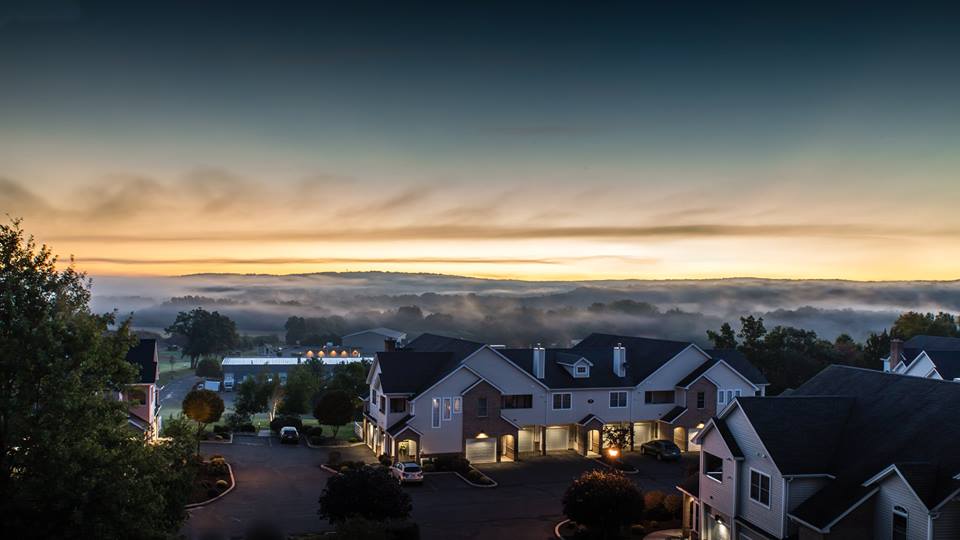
(789, 356)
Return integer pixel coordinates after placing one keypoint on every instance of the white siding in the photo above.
(727, 379)
(802, 489)
(448, 438)
(947, 526)
(895, 492)
(921, 367)
(512, 380)
(770, 519)
(718, 495)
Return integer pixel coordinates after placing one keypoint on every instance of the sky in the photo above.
(523, 140)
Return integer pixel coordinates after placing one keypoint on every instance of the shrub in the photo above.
(334, 458)
(652, 499)
(236, 422)
(209, 367)
(385, 460)
(212, 492)
(221, 430)
(453, 463)
(673, 504)
(283, 421)
(603, 501)
(368, 492)
(206, 484)
(217, 457)
(217, 468)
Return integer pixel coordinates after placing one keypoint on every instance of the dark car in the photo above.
(662, 449)
(289, 434)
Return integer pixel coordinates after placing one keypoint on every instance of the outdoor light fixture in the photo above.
(613, 452)
(482, 435)
(700, 425)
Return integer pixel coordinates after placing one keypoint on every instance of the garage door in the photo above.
(557, 439)
(642, 433)
(525, 441)
(481, 450)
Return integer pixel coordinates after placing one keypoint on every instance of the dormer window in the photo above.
(582, 371)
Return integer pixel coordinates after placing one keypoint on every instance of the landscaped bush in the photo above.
(222, 485)
(653, 499)
(237, 422)
(385, 460)
(454, 463)
(673, 503)
(603, 502)
(334, 458)
(217, 468)
(283, 421)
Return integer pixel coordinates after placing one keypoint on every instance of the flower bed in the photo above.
(213, 478)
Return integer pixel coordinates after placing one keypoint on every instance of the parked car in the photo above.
(661, 448)
(289, 434)
(407, 472)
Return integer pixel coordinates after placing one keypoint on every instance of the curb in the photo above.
(220, 442)
(468, 482)
(607, 465)
(328, 469)
(233, 484)
(324, 446)
(556, 529)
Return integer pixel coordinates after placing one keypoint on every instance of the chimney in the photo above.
(539, 361)
(389, 345)
(619, 360)
(896, 348)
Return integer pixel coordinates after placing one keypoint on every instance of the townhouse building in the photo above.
(143, 395)
(441, 395)
(851, 454)
(934, 357)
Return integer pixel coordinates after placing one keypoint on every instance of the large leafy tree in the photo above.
(603, 502)
(299, 391)
(334, 409)
(70, 467)
(913, 323)
(367, 492)
(203, 407)
(351, 377)
(205, 333)
(724, 338)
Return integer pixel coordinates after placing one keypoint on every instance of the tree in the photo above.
(603, 502)
(351, 377)
(334, 409)
(257, 395)
(751, 332)
(70, 466)
(876, 347)
(209, 367)
(913, 323)
(203, 407)
(205, 333)
(724, 339)
(367, 492)
(299, 391)
(616, 436)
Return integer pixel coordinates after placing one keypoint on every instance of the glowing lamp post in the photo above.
(612, 452)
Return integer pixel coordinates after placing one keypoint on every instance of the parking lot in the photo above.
(280, 484)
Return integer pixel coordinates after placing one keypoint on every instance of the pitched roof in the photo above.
(734, 358)
(853, 423)
(144, 356)
(728, 437)
(399, 425)
(643, 357)
(932, 343)
(673, 413)
(947, 363)
(386, 332)
(422, 363)
(779, 420)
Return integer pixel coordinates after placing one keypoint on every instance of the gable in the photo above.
(666, 376)
(503, 373)
(722, 375)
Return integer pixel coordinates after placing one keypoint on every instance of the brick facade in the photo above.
(493, 425)
(695, 416)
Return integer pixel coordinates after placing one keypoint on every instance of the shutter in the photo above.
(481, 450)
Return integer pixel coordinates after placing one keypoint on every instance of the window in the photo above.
(712, 466)
(383, 404)
(701, 399)
(447, 409)
(457, 405)
(618, 400)
(561, 401)
(482, 406)
(658, 396)
(517, 401)
(435, 413)
(760, 487)
(899, 523)
(582, 371)
(398, 405)
(726, 396)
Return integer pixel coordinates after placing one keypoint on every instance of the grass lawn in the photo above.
(172, 361)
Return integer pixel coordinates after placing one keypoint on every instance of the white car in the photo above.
(407, 472)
